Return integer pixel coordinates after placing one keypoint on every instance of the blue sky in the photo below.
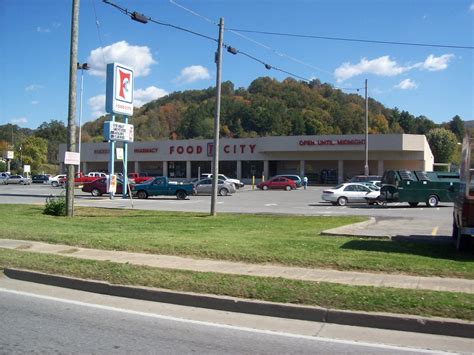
(435, 82)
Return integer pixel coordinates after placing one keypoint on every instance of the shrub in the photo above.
(55, 206)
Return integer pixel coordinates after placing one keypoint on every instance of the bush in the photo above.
(55, 206)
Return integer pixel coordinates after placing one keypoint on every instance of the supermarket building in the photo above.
(325, 159)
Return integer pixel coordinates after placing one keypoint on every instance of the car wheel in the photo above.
(342, 201)
(413, 204)
(432, 201)
(287, 187)
(265, 187)
(96, 192)
(223, 192)
(142, 194)
(54, 184)
(181, 195)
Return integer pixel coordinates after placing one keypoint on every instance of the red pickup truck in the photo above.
(81, 179)
(138, 178)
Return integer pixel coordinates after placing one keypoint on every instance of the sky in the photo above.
(436, 82)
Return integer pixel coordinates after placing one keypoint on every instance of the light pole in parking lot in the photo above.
(83, 66)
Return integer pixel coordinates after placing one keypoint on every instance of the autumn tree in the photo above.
(442, 143)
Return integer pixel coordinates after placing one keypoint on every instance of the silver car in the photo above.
(348, 193)
(18, 179)
(204, 187)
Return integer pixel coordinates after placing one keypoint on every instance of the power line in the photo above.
(351, 39)
(97, 24)
(144, 19)
(275, 51)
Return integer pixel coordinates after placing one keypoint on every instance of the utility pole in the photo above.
(71, 119)
(215, 152)
(366, 166)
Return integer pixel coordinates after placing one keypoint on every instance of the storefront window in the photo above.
(197, 167)
(177, 169)
(252, 168)
(228, 168)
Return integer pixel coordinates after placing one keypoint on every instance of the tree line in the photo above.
(267, 107)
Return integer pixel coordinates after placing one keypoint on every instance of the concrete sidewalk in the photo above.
(237, 268)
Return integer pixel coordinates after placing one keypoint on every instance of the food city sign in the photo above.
(119, 90)
(311, 142)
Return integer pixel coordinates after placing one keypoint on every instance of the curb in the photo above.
(439, 326)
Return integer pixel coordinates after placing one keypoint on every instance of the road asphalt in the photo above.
(377, 320)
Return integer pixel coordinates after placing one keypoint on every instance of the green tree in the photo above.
(34, 152)
(55, 133)
(456, 125)
(443, 144)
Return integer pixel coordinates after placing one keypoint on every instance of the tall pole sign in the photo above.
(118, 100)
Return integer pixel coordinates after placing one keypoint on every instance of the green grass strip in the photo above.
(287, 240)
(323, 294)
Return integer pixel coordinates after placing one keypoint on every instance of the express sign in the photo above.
(119, 91)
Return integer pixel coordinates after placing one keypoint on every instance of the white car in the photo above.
(237, 183)
(348, 193)
(54, 180)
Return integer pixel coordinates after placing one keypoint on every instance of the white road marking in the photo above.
(270, 204)
(209, 324)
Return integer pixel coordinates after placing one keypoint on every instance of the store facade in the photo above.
(323, 159)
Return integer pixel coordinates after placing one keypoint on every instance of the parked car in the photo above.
(277, 182)
(238, 184)
(204, 187)
(3, 177)
(39, 179)
(295, 178)
(366, 178)
(54, 180)
(98, 187)
(18, 179)
(348, 193)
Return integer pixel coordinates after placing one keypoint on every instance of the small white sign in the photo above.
(26, 169)
(119, 152)
(10, 154)
(72, 158)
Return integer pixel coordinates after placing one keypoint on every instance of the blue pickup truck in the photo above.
(161, 186)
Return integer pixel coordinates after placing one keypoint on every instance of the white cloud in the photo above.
(471, 8)
(193, 73)
(35, 102)
(20, 120)
(43, 29)
(33, 87)
(407, 84)
(97, 106)
(136, 57)
(142, 96)
(433, 63)
(382, 66)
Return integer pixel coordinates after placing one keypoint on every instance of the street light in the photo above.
(83, 66)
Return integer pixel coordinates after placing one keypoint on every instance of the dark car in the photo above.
(99, 187)
(277, 182)
(39, 179)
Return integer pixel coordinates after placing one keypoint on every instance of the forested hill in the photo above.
(267, 108)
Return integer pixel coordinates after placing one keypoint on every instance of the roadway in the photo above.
(47, 319)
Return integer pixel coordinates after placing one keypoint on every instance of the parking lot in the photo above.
(393, 219)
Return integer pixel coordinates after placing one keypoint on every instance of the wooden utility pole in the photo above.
(71, 118)
(215, 151)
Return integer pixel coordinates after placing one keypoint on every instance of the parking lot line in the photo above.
(434, 231)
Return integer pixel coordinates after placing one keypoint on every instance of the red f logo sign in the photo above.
(124, 83)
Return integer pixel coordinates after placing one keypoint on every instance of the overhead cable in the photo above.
(351, 39)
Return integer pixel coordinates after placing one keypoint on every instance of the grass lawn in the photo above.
(362, 298)
(289, 240)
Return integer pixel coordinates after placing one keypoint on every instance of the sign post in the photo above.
(118, 100)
